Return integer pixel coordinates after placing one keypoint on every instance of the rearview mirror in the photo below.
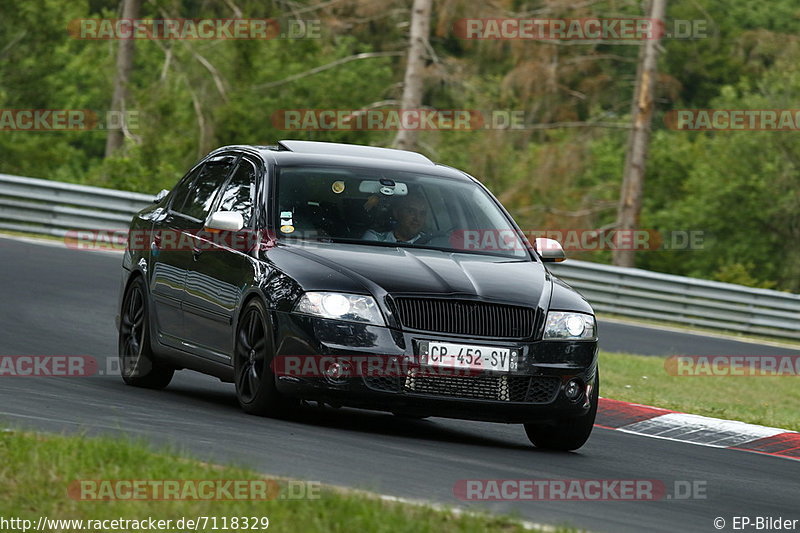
(550, 250)
(225, 221)
(388, 188)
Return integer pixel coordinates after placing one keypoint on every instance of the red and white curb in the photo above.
(666, 424)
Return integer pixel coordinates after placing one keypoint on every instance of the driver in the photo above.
(411, 213)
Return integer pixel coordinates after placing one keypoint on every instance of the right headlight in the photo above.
(563, 325)
(340, 306)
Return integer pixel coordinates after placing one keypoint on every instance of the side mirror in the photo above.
(550, 250)
(160, 196)
(225, 221)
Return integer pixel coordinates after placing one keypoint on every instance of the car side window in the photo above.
(183, 188)
(203, 191)
(239, 193)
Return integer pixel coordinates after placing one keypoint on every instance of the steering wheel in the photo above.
(430, 236)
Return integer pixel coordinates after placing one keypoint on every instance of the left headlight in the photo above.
(562, 325)
(340, 306)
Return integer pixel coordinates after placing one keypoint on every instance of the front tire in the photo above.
(137, 364)
(253, 352)
(567, 434)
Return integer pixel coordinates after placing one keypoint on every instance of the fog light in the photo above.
(573, 390)
(337, 372)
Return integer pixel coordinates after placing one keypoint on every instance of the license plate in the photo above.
(451, 355)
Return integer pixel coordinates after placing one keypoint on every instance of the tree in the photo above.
(406, 139)
(630, 202)
(120, 99)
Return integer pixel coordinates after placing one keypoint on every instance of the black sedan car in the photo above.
(356, 276)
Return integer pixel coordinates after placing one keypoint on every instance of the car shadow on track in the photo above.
(216, 394)
(382, 423)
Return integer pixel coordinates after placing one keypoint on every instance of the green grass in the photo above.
(36, 471)
(31, 235)
(769, 401)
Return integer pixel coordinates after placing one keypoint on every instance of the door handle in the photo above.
(196, 253)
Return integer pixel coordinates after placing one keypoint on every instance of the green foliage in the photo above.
(741, 188)
(741, 275)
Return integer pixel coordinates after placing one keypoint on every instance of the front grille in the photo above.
(465, 317)
(542, 389)
(503, 388)
(384, 384)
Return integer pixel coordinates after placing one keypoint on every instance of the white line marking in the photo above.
(54, 243)
(703, 430)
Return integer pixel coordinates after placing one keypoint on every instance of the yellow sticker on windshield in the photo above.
(287, 229)
(337, 187)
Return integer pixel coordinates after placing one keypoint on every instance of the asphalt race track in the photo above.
(57, 301)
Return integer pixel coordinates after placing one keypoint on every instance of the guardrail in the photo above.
(638, 293)
(54, 208)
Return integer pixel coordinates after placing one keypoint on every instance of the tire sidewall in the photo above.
(144, 365)
(267, 395)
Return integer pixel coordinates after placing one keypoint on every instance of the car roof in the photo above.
(296, 153)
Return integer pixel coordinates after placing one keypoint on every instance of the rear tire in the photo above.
(137, 364)
(252, 357)
(569, 433)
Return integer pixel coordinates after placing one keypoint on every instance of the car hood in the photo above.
(401, 270)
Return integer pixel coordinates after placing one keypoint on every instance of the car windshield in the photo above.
(392, 208)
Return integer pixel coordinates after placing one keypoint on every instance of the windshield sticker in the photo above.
(337, 187)
(287, 228)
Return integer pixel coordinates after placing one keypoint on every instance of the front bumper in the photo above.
(533, 392)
